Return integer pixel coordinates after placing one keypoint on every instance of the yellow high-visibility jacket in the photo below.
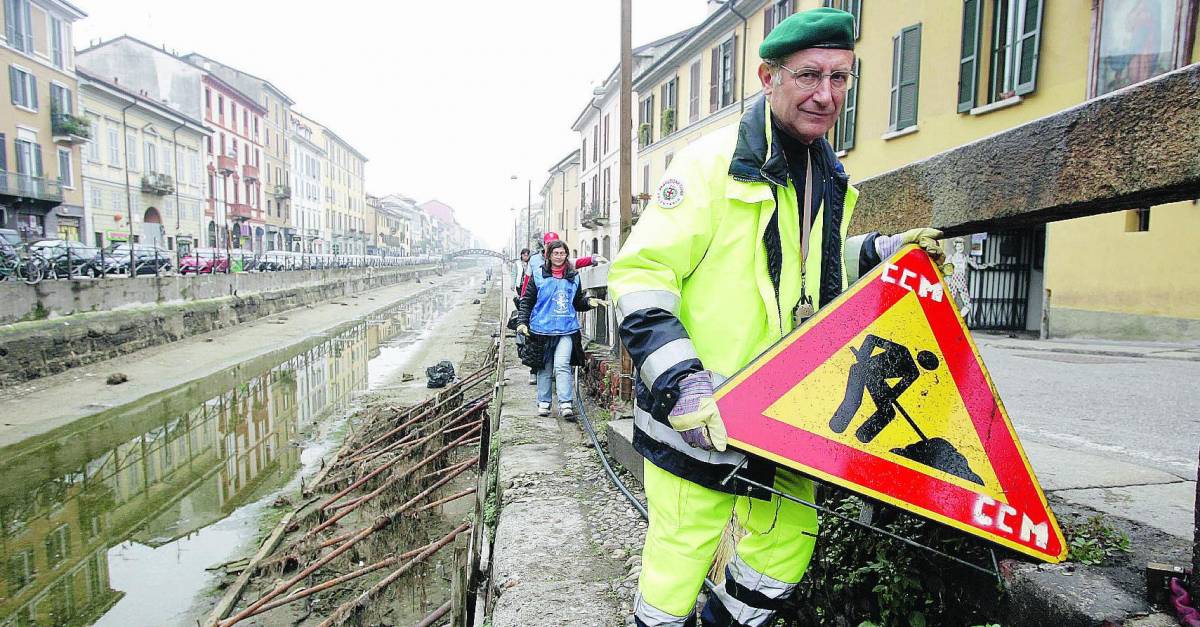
(711, 274)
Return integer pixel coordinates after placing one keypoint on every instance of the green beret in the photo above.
(815, 28)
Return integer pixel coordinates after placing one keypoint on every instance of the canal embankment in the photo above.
(58, 325)
(131, 516)
(30, 408)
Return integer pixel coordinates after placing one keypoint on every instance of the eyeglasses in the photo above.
(808, 79)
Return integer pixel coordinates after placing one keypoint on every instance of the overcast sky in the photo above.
(446, 99)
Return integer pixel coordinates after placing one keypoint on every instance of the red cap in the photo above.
(550, 236)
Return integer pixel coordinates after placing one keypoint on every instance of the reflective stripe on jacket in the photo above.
(692, 286)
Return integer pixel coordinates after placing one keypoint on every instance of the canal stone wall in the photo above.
(50, 299)
(130, 316)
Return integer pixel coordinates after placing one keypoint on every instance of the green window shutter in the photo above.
(850, 111)
(968, 64)
(856, 9)
(768, 19)
(1028, 45)
(734, 96)
(910, 72)
(37, 160)
(894, 105)
(33, 91)
(12, 85)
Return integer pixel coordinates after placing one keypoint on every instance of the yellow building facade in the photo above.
(560, 197)
(937, 74)
(40, 129)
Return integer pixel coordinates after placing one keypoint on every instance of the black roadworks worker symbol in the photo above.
(878, 362)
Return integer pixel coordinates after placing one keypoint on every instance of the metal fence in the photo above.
(60, 259)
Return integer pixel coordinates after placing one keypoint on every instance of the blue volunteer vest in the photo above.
(553, 313)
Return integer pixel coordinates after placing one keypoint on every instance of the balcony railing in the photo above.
(157, 183)
(226, 165)
(70, 129)
(283, 192)
(249, 172)
(593, 215)
(29, 186)
(240, 210)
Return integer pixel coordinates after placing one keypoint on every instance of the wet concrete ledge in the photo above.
(30, 350)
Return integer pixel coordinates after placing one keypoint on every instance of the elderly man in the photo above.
(746, 238)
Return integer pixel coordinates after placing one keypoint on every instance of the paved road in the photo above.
(1117, 433)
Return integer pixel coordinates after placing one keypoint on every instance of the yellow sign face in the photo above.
(812, 404)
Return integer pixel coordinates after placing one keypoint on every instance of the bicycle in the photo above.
(13, 267)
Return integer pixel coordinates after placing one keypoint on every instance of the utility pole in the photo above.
(528, 211)
(626, 159)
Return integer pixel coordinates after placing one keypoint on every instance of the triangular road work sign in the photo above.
(884, 393)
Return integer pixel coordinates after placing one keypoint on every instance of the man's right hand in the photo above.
(695, 415)
(523, 330)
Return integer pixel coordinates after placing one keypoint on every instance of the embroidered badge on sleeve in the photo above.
(670, 193)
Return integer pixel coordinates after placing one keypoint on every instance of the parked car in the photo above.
(10, 236)
(146, 260)
(204, 261)
(67, 258)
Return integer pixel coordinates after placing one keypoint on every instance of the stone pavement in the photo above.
(567, 545)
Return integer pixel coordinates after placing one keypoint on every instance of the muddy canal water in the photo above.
(121, 518)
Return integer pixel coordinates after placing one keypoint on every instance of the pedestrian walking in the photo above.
(745, 239)
(547, 317)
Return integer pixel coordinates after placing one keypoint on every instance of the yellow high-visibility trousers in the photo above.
(686, 524)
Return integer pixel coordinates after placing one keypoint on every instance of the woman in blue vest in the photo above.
(547, 316)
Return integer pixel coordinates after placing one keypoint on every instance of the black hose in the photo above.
(612, 474)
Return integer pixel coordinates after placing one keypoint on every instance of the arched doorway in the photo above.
(607, 247)
(212, 235)
(152, 228)
(595, 246)
(258, 239)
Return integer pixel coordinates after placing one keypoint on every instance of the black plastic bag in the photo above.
(440, 375)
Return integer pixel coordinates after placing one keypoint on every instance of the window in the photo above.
(853, 7)
(57, 53)
(605, 133)
(131, 150)
(776, 12)
(724, 84)
(60, 99)
(17, 26)
(646, 179)
(694, 92)
(151, 152)
(1134, 41)
(114, 145)
(65, 175)
(607, 193)
(906, 66)
(23, 87)
(1015, 28)
(1138, 220)
(97, 197)
(595, 142)
(843, 130)
(94, 144)
(646, 122)
(670, 97)
(208, 103)
(29, 157)
(167, 160)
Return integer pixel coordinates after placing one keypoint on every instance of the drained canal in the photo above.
(125, 518)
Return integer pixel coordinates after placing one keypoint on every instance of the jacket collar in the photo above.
(567, 276)
(758, 158)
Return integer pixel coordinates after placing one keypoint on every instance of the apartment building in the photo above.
(41, 195)
(143, 179)
(275, 171)
(307, 193)
(560, 196)
(599, 147)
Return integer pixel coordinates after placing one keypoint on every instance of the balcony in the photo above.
(226, 165)
(158, 184)
(27, 186)
(240, 211)
(250, 173)
(283, 192)
(69, 129)
(594, 215)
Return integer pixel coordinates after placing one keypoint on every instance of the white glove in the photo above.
(925, 237)
(595, 302)
(523, 330)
